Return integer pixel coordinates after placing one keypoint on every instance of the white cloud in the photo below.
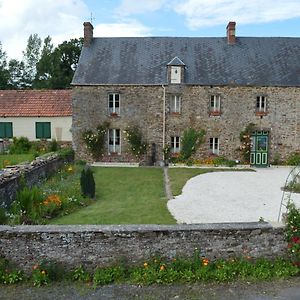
(129, 7)
(61, 20)
(122, 29)
(203, 13)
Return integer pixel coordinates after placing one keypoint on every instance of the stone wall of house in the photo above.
(32, 173)
(143, 106)
(103, 245)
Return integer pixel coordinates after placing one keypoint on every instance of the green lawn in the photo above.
(124, 196)
(13, 159)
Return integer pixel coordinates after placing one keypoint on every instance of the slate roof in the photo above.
(209, 61)
(35, 103)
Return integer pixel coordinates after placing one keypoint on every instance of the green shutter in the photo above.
(2, 131)
(47, 130)
(9, 131)
(43, 130)
(6, 130)
(39, 130)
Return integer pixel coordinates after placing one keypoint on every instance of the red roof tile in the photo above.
(35, 103)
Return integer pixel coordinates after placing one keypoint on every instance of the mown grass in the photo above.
(124, 196)
(14, 159)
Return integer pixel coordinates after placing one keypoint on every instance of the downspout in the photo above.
(164, 121)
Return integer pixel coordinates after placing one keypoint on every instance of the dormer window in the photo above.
(175, 74)
(176, 71)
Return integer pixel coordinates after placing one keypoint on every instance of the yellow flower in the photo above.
(145, 265)
(43, 272)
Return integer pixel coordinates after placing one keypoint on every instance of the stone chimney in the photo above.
(231, 33)
(88, 34)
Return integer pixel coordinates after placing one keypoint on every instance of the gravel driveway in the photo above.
(232, 197)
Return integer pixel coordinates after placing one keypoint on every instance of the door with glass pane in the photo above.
(259, 148)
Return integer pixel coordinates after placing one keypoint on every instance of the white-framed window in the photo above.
(214, 145)
(114, 103)
(114, 141)
(175, 144)
(175, 104)
(261, 103)
(175, 74)
(215, 103)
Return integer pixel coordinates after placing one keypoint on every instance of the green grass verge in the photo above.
(14, 159)
(179, 176)
(124, 196)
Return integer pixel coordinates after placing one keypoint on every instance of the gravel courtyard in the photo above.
(232, 197)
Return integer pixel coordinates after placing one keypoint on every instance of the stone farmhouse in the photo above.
(36, 114)
(164, 85)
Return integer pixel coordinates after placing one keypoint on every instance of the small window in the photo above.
(114, 141)
(214, 145)
(6, 131)
(175, 105)
(43, 130)
(215, 104)
(261, 104)
(114, 104)
(175, 144)
(175, 74)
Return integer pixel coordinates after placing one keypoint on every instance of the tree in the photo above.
(31, 56)
(16, 74)
(65, 60)
(4, 73)
(44, 66)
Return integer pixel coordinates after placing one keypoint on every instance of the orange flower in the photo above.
(35, 267)
(162, 268)
(55, 199)
(205, 262)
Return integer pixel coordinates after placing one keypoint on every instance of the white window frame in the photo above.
(261, 103)
(115, 147)
(175, 144)
(114, 98)
(214, 145)
(175, 74)
(215, 103)
(175, 105)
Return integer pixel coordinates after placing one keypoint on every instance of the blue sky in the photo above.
(63, 19)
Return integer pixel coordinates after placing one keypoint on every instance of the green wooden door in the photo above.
(259, 155)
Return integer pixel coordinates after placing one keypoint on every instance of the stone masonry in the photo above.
(104, 245)
(143, 106)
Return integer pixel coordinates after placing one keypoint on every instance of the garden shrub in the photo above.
(95, 140)
(53, 146)
(27, 205)
(3, 217)
(87, 183)
(245, 138)
(222, 161)
(293, 159)
(190, 141)
(66, 153)
(20, 145)
(134, 137)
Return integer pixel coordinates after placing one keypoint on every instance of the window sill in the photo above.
(175, 114)
(261, 113)
(114, 115)
(114, 153)
(215, 113)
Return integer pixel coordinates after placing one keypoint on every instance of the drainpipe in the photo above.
(164, 121)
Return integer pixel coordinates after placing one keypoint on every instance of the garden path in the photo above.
(232, 197)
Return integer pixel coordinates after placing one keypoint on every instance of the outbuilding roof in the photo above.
(257, 61)
(35, 103)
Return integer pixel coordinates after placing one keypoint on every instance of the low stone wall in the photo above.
(33, 172)
(102, 245)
